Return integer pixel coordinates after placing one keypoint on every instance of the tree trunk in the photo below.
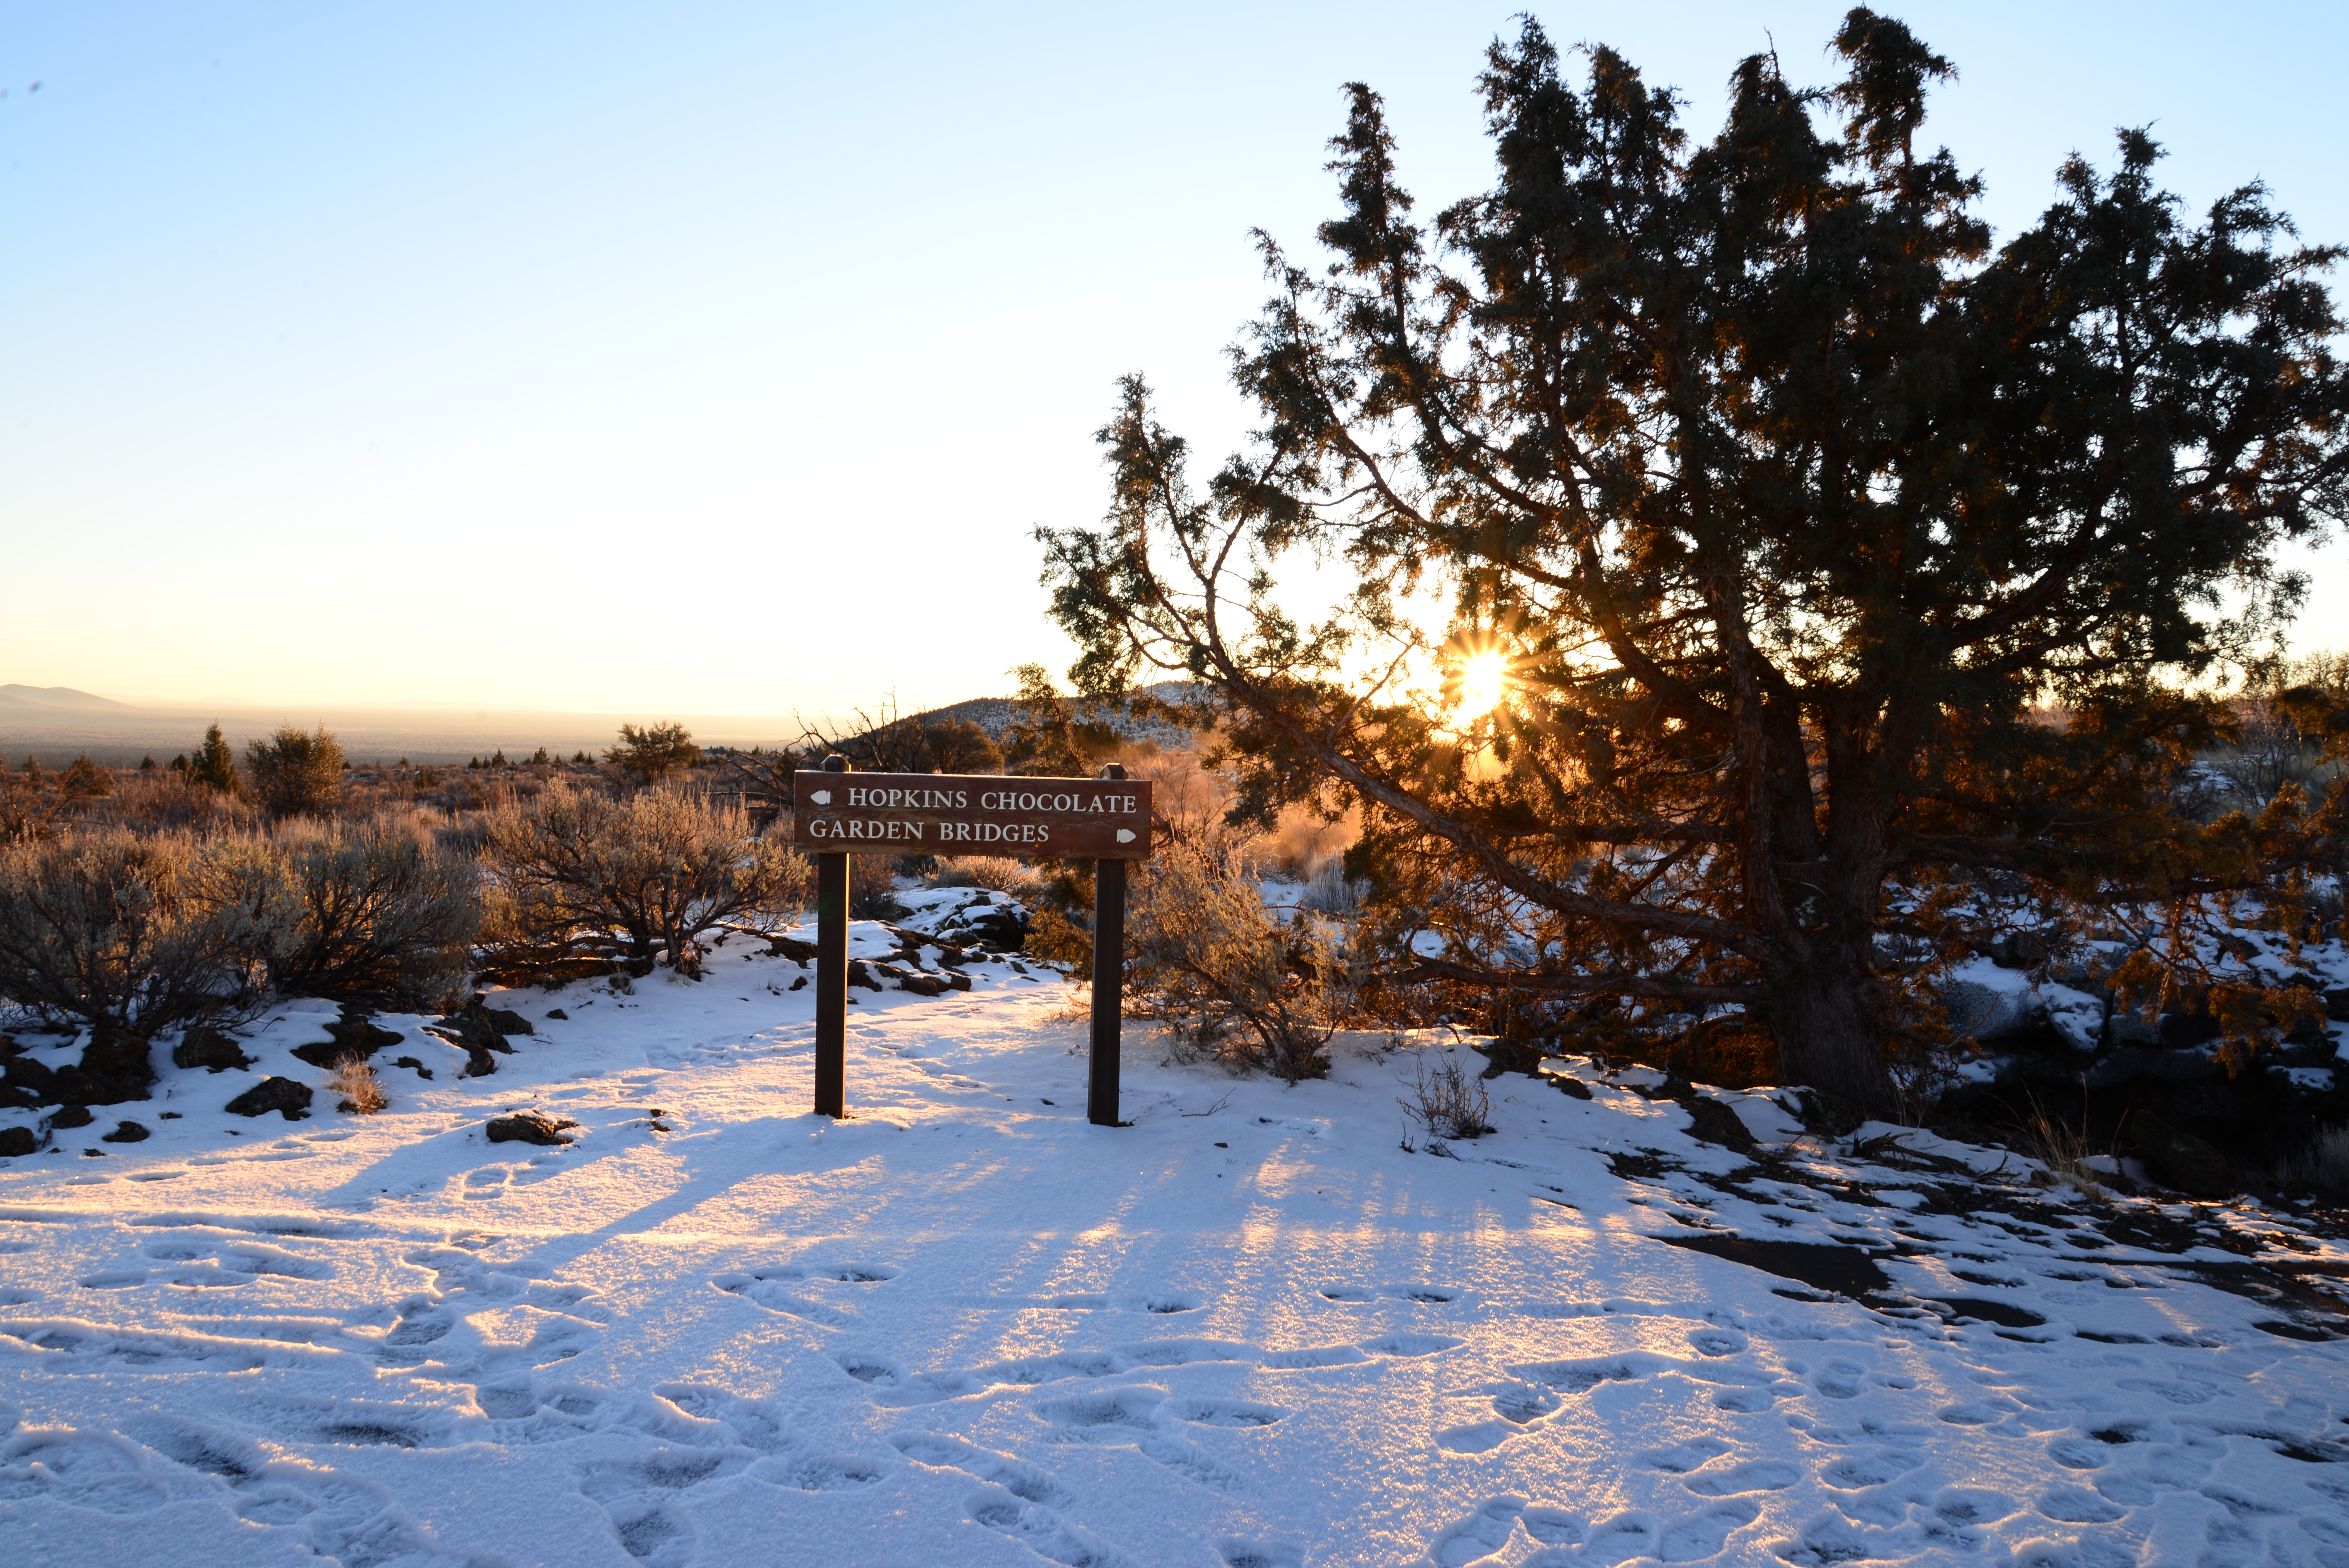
(1827, 1041)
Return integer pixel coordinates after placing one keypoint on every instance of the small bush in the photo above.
(1234, 985)
(872, 888)
(293, 773)
(361, 1092)
(577, 880)
(1448, 1102)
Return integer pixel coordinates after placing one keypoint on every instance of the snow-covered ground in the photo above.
(964, 1326)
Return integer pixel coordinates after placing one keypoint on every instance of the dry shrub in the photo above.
(1236, 986)
(872, 888)
(1448, 1102)
(997, 873)
(105, 927)
(360, 1092)
(579, 883)
(170, 800)
(293, 773)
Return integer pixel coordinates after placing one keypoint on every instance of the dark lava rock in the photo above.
(2336, 1004)
(72, 1116)
(991, 924)
(475, 1029)
(15, 1141)
(1847, 1271)
(529, 1127)
(1568, 1084)
(2129, 1064)
(125, 1132)
(1511, 1057)
(354, 1035)
(205, 1047)
(418, 1069)
(2182, 1029)
(113, 1068)
(785, 947)
(2006, 1314)
(558, 1014)
(2018, 950)
(279, 1094)
(861, 974)
(506, 1021)
(1711, 1122)
(2182, 1160)
(21, 1071)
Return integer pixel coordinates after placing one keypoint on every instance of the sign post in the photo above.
(836, 813)
(1109, 981)
(832, 974)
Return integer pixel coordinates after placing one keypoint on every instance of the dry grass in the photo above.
(1449, 1102)
(997, 873)
(2062, 1151)
(361, 1092)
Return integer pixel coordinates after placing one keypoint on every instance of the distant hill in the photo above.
(995, 714)
(57, 699)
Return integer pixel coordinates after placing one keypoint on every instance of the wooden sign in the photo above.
(970, 814)
(840, 813)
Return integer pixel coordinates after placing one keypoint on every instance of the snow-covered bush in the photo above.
(1237, 986)
(573, 876)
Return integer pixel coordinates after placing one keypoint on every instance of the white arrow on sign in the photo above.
(821, 797)
(1125, 835)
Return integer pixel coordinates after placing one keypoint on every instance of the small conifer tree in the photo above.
(215, 765)
(85, 780)
(146, 764)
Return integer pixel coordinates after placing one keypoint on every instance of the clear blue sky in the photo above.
(449, 351)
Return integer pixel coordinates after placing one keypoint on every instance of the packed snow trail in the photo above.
(967, 1328)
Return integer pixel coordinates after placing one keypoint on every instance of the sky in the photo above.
(714, 358)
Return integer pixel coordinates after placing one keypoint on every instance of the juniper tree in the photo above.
(215, 764)
(1789, 502)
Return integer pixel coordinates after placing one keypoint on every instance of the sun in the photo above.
(1480, 684)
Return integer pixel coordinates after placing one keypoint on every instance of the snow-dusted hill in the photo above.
(965, 1327)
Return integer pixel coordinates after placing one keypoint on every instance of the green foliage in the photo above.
(1788, 501)
(86, 781)
(295, 774)
(654, 751)
(1046, 737)
(215, 765)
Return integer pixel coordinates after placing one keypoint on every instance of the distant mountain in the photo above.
(57, 699)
